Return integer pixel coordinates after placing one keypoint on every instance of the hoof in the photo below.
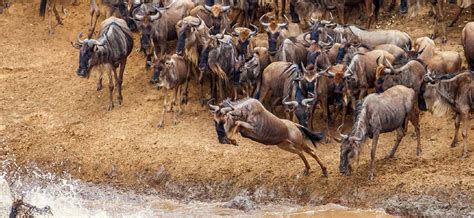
(160, 125)
(110, 107)
(325, 173)
(99, 88)
(306, 172)
(120, 101)
(184, 100)
(371, 177)
(444, 40)
(432, 36)
(389, 156)
(453, 144)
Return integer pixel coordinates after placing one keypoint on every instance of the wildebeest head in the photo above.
(87, 48)
(146, 27)
(350, 149)
(212, 42)
(244, 36)
(383, 68)
(250, 70)
(273, 30)
(158, 66)
(437, 101)
(223, 114)
(185, 28)
(217, 12)
(299, 105)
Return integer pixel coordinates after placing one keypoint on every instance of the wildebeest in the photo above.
(439, 62)
(282, 80)
(109, 8)
(249, 118)
(280, 47)
(376, 114)
(327, 92)
(111, 50)
(50, 5)
(175, 74)
(218, 57)
(361, 72)
(467, 40)
(371, 7)
(455, 94)
(214, 16)
(409, 75)
(379, 37)
(251, 71)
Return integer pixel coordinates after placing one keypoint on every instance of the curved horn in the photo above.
(225, 9)
(138, 17)
(304, 37)
(207, 7)
(254, 33)
(285, 23)
(226, 109)
(156, 16)
(289, 103)
(340, 133)
(214, 108)
(171, 4)
(263, 23)
(78, 39)
(378, 61)
(233, 30)
(94, 42)
(387, 63)
(306, 102)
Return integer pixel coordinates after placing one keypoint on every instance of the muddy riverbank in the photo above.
(52, 119)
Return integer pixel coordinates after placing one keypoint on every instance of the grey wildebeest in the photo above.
(455, 94)
(175, 74)
(438, 62)
(376, 114)
(467, 40)
(361, 73)
(111, 50)
(409, 75)
(379, 37)
(280, 47)
(251, 71)
(218, 58)
(214, 16)
(107, 7)
(249, 118)
(50, 5)
(282, 79)
(159, 29)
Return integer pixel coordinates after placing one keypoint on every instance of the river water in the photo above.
(68, 197)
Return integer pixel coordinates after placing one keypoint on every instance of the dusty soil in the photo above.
(54, 119)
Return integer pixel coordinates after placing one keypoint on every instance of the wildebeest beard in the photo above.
(311, 58)
(181, 43)
(242, 48)
(204, 59)
(340, 55)
(216, 23)
(85, 55)
(379, 85)
(221, 134)
(301, 112)
(272, 42)
(314, 34)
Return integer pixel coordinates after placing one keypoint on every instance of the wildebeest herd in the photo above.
(332, 67)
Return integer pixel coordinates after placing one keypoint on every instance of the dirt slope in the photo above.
(52, 118)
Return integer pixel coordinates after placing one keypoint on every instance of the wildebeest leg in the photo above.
(56, 13)
(400, 134)
(456, 17)
(119, 81)
(289, 147)
(50, 26)
(315, 156)
(176, 92)
(162, 119)
(111, 88)
(325, 107)
(414, 117)
(173, 102)
(362, 94)
(184, 98)
(457, 124)
(242, 125)
(95, 13)
(372, 155)
(99, 81)
(465, 127)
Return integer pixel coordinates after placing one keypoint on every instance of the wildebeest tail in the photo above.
(43, 7)
(313, 136)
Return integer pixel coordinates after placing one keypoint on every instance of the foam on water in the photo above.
(68, 197)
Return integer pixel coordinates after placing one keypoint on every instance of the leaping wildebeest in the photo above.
(249, 118)
(376, 114)
(110, 50)
(455, 94)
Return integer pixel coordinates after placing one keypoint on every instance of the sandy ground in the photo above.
(54, 119)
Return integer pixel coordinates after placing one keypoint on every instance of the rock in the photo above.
(241, 203)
